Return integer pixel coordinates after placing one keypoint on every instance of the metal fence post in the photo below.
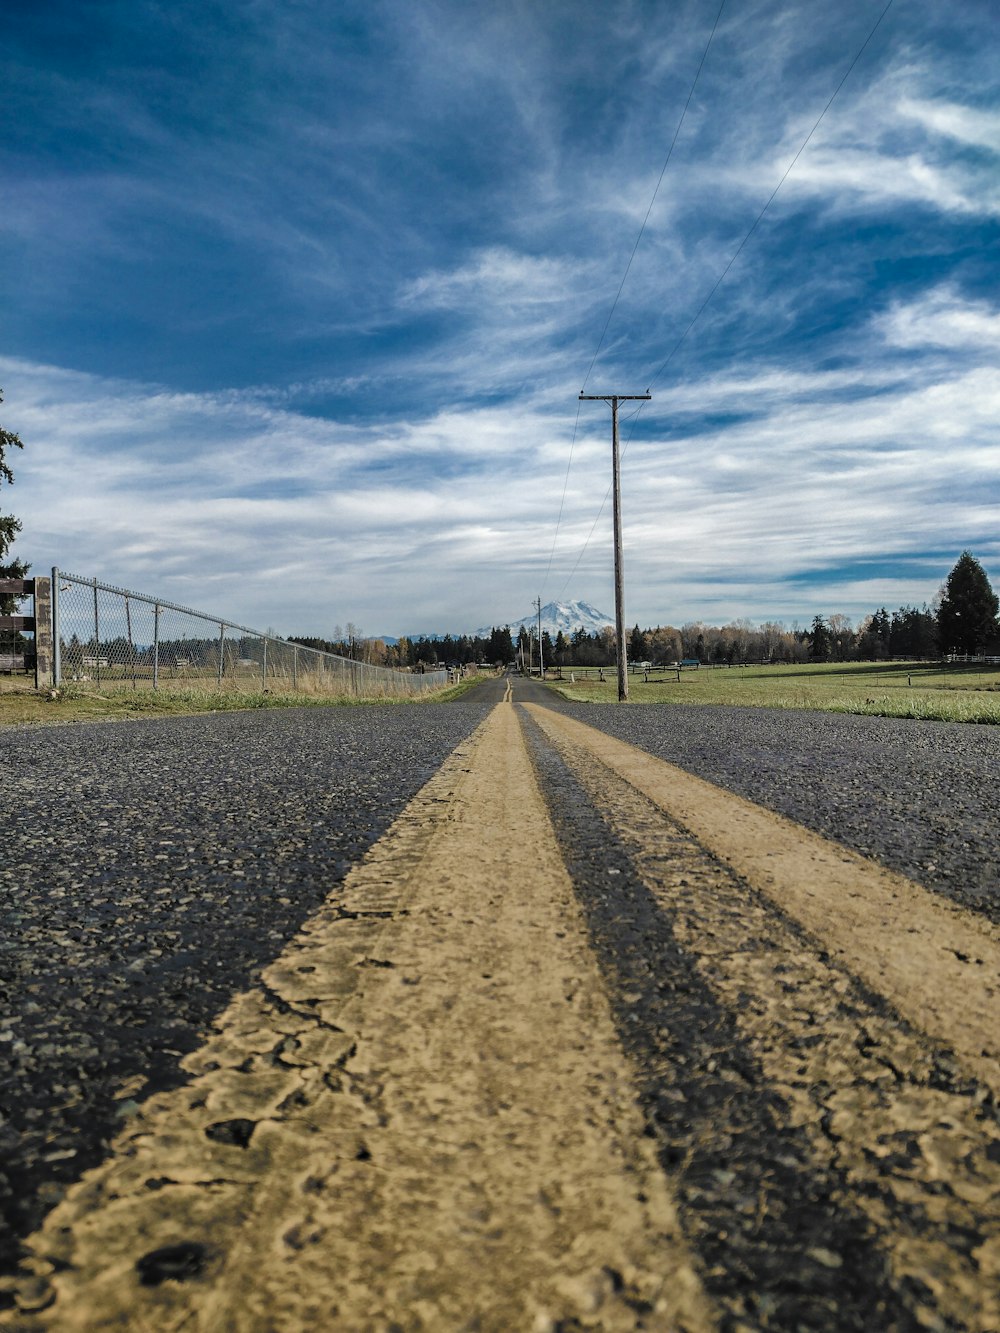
(263, 666)
(97, 636)
(295, 666)
(56, 646)
(156, 646)
(222, 649)
(131, 646)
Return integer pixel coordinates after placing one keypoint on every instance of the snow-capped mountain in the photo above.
(556, 616)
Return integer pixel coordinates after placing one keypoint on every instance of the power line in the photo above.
(621, 285)
(562, 502)
(673, 141)
(725, 271)
(770, 201)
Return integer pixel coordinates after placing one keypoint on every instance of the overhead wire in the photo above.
(736, 254)
(659, 182)
(621, 285)
(562, 502)
(757, 220)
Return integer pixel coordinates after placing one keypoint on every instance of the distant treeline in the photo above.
(908, 632)
(963, 621)
(458, 650)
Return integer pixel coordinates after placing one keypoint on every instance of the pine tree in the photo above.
(819, 640)
(9, 525)
(967, 615)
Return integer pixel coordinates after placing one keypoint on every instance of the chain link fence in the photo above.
(105, 635)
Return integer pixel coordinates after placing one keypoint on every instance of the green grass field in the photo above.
(21, 703)
(898, 689)
(959, 693)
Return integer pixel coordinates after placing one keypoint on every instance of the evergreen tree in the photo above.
(874, 636)
(9, 525)
(819, 640)
(501, 646)
(586, 648)
(525, 652)
(882, 628)
(913, 633)
(967, 615)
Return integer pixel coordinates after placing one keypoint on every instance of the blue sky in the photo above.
(298, 296)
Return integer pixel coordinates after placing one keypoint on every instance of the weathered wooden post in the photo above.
(44, 678)
(56, 631)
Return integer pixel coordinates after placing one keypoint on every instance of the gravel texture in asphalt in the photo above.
(921, 797)
(150, 869)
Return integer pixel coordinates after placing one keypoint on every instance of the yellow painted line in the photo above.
(919, 1158)
(422, 1119)
(936, 962)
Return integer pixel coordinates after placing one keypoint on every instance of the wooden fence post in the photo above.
(43, 634)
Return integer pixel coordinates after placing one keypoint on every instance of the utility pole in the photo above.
(614, 399)
(541, 657)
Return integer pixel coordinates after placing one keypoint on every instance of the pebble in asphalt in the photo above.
(150, 869)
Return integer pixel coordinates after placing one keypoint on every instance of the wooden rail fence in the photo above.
(38, 655)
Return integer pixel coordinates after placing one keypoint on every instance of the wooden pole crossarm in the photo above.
(618, 397)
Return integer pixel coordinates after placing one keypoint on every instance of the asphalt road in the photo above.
(921, 797)
(149, 870)
(811, 1129)
(152, 869)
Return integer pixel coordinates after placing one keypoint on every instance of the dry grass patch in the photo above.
(22, 705)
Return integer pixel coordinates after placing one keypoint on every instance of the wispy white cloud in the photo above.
(810, 470)
(506, 280)
(943, 318)
(964, 124)
(334, 313)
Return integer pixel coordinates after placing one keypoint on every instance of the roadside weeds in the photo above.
(23, 705)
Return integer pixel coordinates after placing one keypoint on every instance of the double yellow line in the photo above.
(423, 1116)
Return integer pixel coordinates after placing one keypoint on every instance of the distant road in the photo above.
(516, 1022)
